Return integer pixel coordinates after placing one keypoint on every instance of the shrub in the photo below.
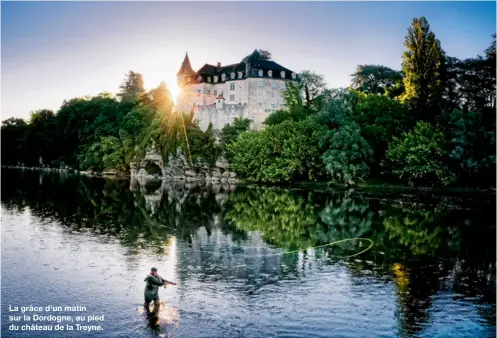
(419, 156)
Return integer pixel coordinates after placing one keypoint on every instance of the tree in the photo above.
(419, 156)
(40, 137)
(375, 79)
(312, 86)
(230, 133)
(423, 65)
(202, 145)
(161, 100)
(477, 83)
(13, 147)
(380, 119)
(132, 87)
(266, 55)
(347, 155)
(338, 108)
(281, 153)
(473, 147)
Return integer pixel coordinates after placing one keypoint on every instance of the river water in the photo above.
(74, 241)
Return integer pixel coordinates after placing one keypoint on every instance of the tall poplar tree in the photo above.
(423, 65)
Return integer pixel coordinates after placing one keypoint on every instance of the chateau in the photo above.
(218, 94)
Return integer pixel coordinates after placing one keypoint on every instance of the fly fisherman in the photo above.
(152, 289)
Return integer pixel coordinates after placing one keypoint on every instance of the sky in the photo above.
(55, 51)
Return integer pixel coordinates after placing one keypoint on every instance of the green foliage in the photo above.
(202, 145)
(293, 114)
(113, 153)
(396, 91)
(347, 154)
(295, 109)
(280, 153)
(132, 88)
(312, 86)
(230, 133)
(380, 119)
(40, 138)
(13, 147)
(338, 108)
(419, 156)
(375, 79)
(423, 65)
(473, 147)
(104, 154)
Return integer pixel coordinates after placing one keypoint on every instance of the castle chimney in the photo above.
(219, 65)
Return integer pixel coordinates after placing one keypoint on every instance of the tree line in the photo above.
(104, 132)
(430, 123)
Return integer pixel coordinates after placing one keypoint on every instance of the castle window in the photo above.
(232, 76)
(232, 86)
(294, 76)
(199, 91)
(215, 79)
(259, 99)
(208, 92)
(283, 85)
(273, 85)
(282, 74)
(282, 100)
(215, 92)
(270, 73)
(209, 79)
(240, 74)
(261, 83)
(260, 72)
(232, 97)
(223, 77)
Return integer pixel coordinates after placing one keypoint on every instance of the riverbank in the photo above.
(66, 169)
(370, 185)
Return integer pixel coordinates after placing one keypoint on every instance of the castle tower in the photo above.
(220, 101)
(185, 73)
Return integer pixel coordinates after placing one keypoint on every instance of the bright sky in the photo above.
(53, 51)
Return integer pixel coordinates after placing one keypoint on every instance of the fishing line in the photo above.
(371, 243)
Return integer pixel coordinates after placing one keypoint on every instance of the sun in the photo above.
(175, 91)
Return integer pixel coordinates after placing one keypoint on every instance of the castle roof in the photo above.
(251, 63)
(186, 68)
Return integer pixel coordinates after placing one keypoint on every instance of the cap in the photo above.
(153, 269)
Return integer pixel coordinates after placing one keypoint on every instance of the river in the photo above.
(88, 243)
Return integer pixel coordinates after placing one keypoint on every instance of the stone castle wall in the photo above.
(254, 98)
(219, 117)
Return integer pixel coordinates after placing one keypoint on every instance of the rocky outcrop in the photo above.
(178, 169)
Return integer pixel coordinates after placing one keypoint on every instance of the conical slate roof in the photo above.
(186, 67)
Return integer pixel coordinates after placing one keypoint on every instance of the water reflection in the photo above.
(433, 253)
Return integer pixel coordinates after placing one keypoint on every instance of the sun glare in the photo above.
(175, 91)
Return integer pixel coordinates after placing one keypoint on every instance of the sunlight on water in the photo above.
(167, 314)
